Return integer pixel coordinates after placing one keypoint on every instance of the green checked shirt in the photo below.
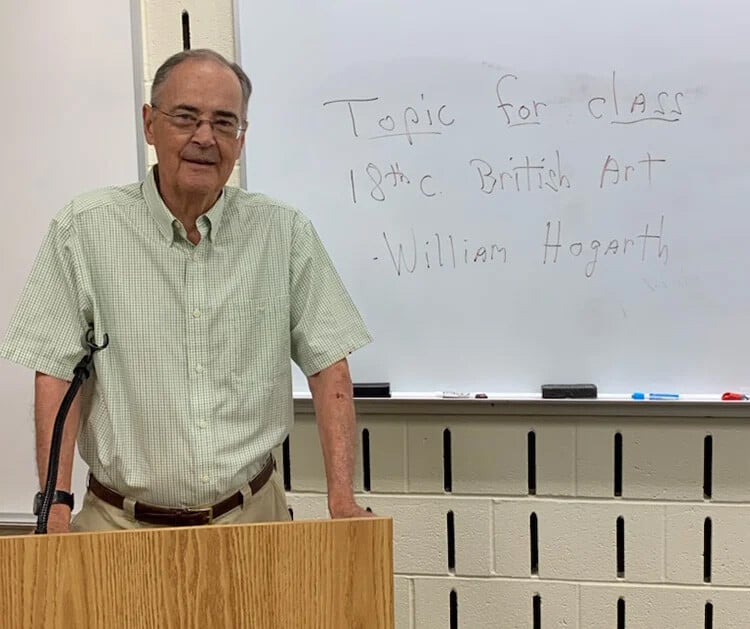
(195, 387)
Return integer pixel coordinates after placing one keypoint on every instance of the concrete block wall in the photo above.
(554, 515)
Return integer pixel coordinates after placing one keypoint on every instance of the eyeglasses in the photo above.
(189, 123)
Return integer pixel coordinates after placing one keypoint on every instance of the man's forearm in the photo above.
(48, 394)
(334, 410)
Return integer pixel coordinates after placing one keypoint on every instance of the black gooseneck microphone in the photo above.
(80, 373)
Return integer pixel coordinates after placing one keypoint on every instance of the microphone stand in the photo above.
(80, 373)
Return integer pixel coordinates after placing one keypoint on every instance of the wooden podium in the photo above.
(327, 574)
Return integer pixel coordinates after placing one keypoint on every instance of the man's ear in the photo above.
(148, 119)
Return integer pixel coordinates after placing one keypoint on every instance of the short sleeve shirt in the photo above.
(195, 387)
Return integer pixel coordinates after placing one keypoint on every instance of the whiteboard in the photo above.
(69, 125)
(518, 193)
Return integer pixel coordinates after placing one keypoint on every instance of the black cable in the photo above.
(80, 373)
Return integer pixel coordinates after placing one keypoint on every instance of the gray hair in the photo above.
(201, 53)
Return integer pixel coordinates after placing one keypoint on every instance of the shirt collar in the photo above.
(165, 220)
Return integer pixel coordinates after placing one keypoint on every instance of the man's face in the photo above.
(195, 164)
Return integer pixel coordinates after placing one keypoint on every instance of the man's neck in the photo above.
(187, 208)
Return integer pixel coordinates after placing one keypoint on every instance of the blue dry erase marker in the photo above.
(655, 396)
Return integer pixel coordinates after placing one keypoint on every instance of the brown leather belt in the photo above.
(166, 516)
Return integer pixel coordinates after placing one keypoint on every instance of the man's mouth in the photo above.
(200, 161)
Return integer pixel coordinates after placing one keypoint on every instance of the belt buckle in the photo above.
(209, 511)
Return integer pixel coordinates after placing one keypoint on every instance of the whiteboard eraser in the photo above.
(559, 391)
(372, 389)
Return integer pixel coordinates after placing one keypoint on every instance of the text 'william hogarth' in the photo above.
(444, 252)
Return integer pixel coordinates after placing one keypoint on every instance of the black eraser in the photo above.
(559, 391)
(372, 389)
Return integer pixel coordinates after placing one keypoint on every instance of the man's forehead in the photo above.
(192, 76)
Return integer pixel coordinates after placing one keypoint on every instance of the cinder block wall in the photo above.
(551, 515)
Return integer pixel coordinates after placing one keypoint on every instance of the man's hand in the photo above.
(59, 519)
(348, 510)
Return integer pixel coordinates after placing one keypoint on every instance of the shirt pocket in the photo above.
(259, 341)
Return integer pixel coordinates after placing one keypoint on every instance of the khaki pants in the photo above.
(268, 505)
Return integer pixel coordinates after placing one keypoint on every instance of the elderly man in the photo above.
(205, 293)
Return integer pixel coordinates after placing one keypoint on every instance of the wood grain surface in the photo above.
(321, 573)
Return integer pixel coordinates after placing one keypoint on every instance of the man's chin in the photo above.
(200, 185)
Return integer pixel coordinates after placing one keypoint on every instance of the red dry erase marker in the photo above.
(734, 396)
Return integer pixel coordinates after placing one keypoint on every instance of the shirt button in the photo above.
(199, 368)
(196, 314)
(202, 424)
(205, 479)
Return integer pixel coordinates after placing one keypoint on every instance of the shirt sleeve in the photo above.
(325, 324)
(47, 330)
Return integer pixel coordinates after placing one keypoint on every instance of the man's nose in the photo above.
(204, 133)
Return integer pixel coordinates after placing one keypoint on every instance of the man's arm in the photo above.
(48, 394)
(333, 401)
